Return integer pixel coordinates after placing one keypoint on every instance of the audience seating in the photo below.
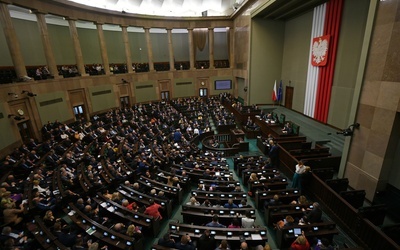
(275, 213)
(148, 223)
(201, 215)
(339, 185)
(285, 196)
(102, 233)
(376, 213)
(267, 184)
(354, 197)
(253, 236)
(43, 234)
(286, 235)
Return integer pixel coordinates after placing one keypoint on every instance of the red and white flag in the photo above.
(274, 93)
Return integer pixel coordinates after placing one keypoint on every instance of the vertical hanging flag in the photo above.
(274, 94)
(280, 92)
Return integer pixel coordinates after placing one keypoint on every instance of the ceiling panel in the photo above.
(287, 9)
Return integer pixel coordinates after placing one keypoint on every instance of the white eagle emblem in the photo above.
(319, 51)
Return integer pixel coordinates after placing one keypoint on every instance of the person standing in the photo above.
(300, 169)
(274, 154)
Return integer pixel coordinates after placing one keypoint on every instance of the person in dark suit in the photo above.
(287, 129)
(185, 243)
(274, 154)
(66, 237)
(206, 241)
(273, 202)
(313, 215)
(177, 135)
(166, 241)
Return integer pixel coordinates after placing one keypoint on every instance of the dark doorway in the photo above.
(25, 130)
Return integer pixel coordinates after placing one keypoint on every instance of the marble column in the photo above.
(12, 41)
(48, 51)
(191, 49)
(127, 48)
(231, 48)
(149, 49)
(170, 50)
(211, 47)
(103, 48)
(77, 47)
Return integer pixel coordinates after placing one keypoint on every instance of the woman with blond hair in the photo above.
(49, 219)
(253, 177)
(134, 232)
(193, 202)
(301, 243)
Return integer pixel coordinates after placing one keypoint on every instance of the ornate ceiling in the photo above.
(179, 8)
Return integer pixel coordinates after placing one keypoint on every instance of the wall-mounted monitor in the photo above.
(223, 84)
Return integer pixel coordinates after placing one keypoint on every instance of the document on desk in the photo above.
(256, 237)
(90, 231)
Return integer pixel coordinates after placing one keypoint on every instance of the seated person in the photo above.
(243, 203)
(193, 202)
(152, 210)
(134, 232)
(215, 223)
(234, 224)
(273, 202)
(206, 241)
(166, 241)
(65, 235)
(185, 243)
(223, 246)
(230, 204)
(14, 238)
(247, 222)
(314, 215)
(287, 129)
(11, 213)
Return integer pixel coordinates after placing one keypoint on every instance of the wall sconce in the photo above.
(30, 94)
(13, 94)
(350, 130)
(124, 81)
(16, 117)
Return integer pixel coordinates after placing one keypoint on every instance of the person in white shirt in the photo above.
(300, 169)
(193, 202)
(247, 222)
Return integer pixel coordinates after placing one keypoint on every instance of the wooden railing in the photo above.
(364, 232)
